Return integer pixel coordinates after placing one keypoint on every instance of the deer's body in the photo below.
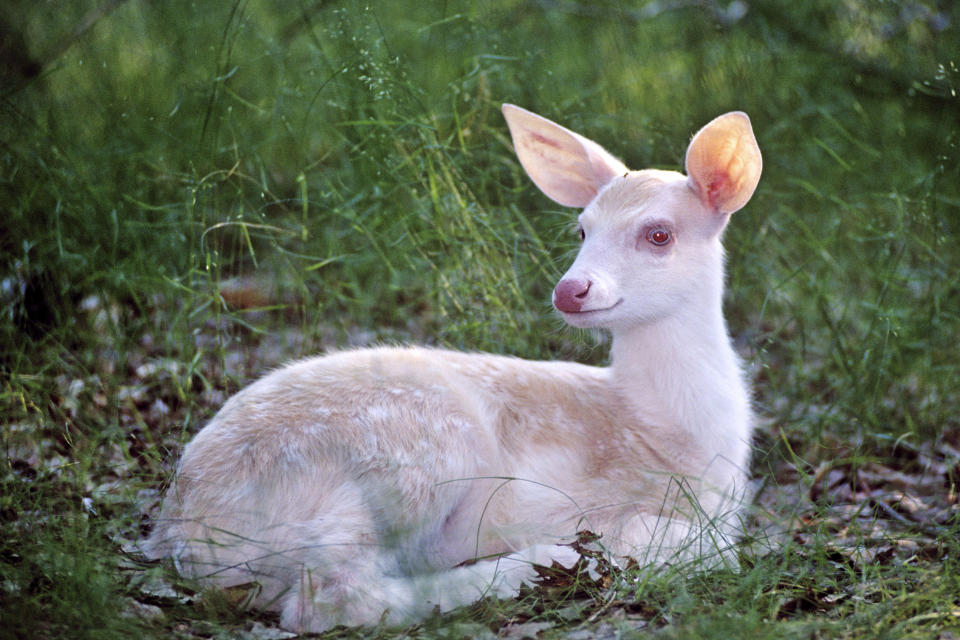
(355, 484)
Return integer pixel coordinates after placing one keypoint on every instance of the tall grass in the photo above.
(342, 167)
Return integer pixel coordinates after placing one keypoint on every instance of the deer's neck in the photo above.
(681, 374)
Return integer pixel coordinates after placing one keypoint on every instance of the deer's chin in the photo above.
(591, 318)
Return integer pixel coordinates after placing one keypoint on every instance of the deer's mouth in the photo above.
(587, 315)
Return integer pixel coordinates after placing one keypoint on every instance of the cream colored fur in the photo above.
(353, 487)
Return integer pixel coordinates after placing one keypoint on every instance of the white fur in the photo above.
(352, 487)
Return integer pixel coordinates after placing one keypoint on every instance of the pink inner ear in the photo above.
(717, 190)
(542, 139)
(724, 163)
(567, 167)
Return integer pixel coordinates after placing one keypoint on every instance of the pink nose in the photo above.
(570, 294)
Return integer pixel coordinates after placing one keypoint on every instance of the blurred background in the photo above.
(193, 193)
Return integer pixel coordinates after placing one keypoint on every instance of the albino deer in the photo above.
(352, 487)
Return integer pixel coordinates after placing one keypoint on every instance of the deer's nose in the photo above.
(570, 294)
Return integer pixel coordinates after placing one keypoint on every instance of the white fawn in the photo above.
(380, 485)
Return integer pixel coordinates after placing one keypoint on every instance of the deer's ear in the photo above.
(567, 167)
(724, 163)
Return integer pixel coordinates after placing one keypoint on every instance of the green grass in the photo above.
(348, 165)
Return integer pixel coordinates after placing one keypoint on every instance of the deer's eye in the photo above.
(581, 234)
(658, 236)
